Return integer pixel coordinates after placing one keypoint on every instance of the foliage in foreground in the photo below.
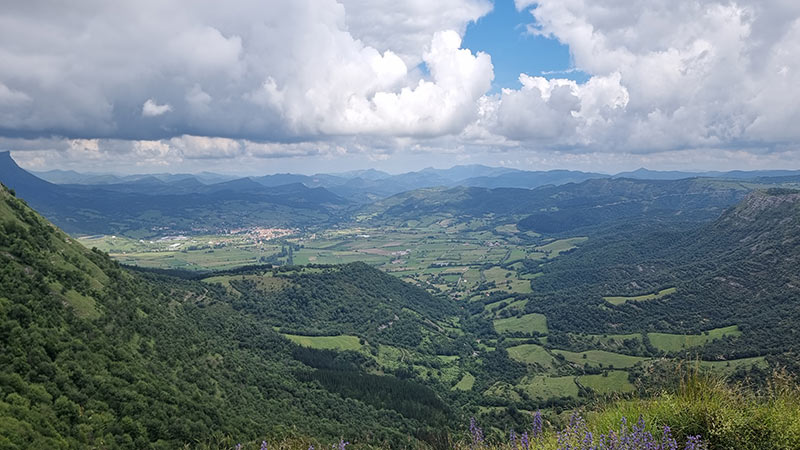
(728, 417)
(704, 413)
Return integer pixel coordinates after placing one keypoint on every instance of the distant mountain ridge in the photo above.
(148, 205)
(369, 185)
(557, 209)
(544, 201)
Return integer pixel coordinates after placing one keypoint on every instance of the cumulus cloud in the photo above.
(667, 75)
(152, 109)
(407, 27)
(247, 69)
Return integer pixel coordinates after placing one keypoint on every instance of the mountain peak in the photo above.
(17, 178)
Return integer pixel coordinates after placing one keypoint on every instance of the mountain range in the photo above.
(150, 205)
(364, 186)
(147, 205)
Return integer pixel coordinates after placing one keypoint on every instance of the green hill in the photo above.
(739, 270)
(94, 356)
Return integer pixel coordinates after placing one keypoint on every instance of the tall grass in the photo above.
(727, 416)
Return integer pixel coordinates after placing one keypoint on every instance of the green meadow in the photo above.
(677, 342)
(610, 382)
(532, 354)
(639, 298)
(343, 342)
(600, 358)
(528, 323)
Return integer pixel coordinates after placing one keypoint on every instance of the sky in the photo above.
(265, 86)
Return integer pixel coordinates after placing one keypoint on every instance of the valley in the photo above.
(489, 269)
(461, 302)
(499, 273)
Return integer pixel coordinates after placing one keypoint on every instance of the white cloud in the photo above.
(152, 109)
(670, 75)
(11, 97)
(200, 147)
(326, 78)
(246, 69)
(407, 27)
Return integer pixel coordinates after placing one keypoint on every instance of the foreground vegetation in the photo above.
(702, 412)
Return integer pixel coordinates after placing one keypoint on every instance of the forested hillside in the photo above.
(558, 209)
(96, 356)
(738, 270)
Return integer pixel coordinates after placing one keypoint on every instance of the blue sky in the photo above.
(503, 34)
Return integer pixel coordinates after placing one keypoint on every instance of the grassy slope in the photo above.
(639, 298)
(528, 323)
(600, 358)
(677, 342)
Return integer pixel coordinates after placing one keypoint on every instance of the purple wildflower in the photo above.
(475, 433)
(667, 441)
(576, 436)
(263, 445)
(536, 427)
(512, 439)
(694, 443)
(525, 441)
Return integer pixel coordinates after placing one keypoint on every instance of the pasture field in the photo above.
(343, 342)
(600, 358)
(529, 323)
(639, 298)
(546, 387)
(613, 339)
(532, 354)
(560, 246)
(513, 305)
(733, 364)
(607, 383)
(443, 368)
(466, 383)
(677, 342)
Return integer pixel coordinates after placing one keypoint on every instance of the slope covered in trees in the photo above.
(558, 209)
(97, 356)
(737, 270)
